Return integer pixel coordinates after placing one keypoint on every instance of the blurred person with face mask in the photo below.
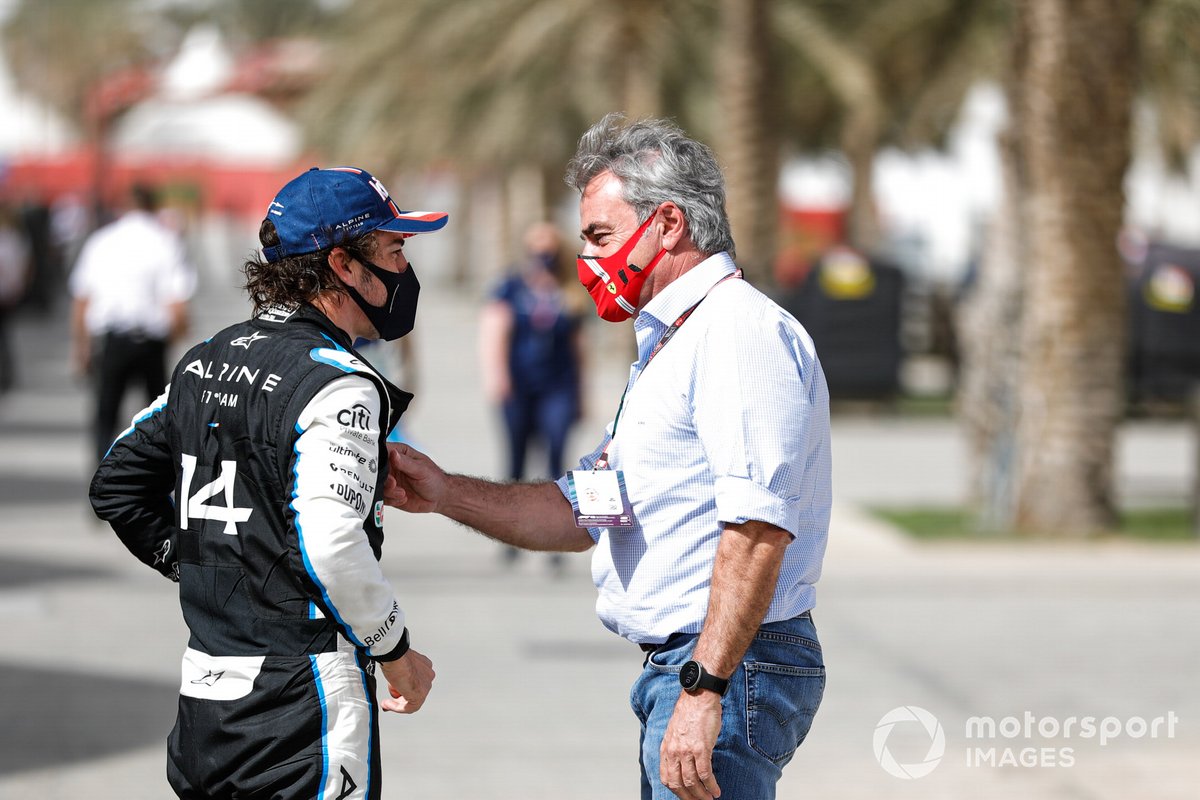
(257, 480)
(532, 357)
(707, 498)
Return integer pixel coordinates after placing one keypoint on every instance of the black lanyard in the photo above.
(602, 462)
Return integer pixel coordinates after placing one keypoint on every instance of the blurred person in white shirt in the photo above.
(130, 289)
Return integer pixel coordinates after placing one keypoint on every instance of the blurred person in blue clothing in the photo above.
(532, 356)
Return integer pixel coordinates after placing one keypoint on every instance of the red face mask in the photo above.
(614, 284)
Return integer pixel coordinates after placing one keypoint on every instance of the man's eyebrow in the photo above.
(590, 230)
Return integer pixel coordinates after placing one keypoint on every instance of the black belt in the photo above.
(650, 647)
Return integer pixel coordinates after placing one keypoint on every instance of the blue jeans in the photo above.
(765, 714)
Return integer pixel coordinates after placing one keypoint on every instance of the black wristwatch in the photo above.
(693, 677)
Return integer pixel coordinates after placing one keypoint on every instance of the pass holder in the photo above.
(598, 498)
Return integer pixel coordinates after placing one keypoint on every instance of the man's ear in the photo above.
(674, 225)
(339, 263)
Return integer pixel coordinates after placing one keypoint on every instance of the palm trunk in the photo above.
(987, 322)
(635, 73)
(461, 262)
(851, 76)
(860, 143)
(1075, 133)
(747, 146)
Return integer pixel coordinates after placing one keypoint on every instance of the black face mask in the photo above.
(398, 314)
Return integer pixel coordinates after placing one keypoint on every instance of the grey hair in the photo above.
(657, 163)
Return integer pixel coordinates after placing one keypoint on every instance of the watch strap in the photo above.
(704, 680)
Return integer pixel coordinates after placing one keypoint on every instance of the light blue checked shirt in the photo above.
(728, 423)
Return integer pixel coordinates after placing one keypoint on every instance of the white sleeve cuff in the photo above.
(740, 500)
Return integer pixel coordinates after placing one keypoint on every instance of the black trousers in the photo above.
(8, 365)
(307, 729)
(122, 359)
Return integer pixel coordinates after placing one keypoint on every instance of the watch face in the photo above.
(689, 674)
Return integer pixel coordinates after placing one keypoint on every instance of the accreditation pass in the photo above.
(598, 498)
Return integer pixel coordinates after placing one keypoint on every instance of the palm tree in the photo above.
(1043, 406)
(1076, 102)
(888, 72)
(527, 77)
(747, 139)
(988, 319)
(525, 74)
(1169, 36)
(92, 59)
(59, 48)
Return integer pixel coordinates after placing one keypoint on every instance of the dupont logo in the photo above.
(906, 715)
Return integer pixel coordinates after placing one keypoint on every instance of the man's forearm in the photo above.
(744, 576)
(179, 320)
(80, 339)
(533, 516)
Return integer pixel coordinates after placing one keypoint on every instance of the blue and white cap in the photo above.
(326, 207)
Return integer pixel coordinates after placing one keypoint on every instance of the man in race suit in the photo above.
(272, 437)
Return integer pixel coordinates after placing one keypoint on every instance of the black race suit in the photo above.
(271, 435)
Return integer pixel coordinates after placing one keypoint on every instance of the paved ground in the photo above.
(530, 699)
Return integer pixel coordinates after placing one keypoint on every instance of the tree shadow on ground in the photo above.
(16, 573)
(37, 490)
(56, 717)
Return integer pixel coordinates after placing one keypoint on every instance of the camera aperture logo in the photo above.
(1022, 741)
(937, 742)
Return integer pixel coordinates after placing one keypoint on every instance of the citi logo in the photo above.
(357, 416)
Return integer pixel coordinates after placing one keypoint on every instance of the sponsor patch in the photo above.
(278, 312)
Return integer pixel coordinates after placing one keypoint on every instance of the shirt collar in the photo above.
(686, 290)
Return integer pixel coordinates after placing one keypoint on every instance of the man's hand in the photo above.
(414, 484)
(685, 758)
(409, 679)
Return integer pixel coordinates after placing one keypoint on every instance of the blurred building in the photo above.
(206, 126)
